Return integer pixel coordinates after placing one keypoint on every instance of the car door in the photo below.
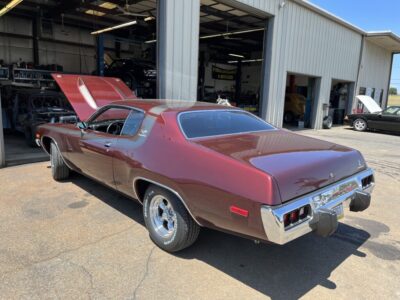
(94, 149)
(387, 120)
(126, 162)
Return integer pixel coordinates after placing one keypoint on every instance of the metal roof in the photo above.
(386, 39)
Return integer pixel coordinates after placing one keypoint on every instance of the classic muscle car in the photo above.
(196, 165)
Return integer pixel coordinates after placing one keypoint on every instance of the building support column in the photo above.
(35, 40)
(178, 23)
(2, 151)
(100, 54)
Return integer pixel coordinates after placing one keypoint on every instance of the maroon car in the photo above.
(194, 165)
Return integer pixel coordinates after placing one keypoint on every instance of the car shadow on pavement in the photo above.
(280, 272)
(118, 201)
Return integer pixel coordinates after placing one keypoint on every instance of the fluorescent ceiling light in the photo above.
(114, 27)
(149, 19)
(245, 61)
(150, 41)
(94, 13)
(108, 5)
(236, 55)
(9, 6)
(230, 33)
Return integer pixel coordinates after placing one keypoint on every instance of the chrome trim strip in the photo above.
(165, 187)
(272, 216)
(219, 135)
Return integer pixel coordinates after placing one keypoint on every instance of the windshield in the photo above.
(391, 110)
(208, 123)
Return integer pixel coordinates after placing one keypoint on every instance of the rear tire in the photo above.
(288, 117)
(59, 169)
(169, 224)
(360, 125)
(327, 122)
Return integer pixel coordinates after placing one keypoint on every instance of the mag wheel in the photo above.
(169, 224)
(360, 125)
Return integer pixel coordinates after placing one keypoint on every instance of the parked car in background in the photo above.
(220, 167)
(138, 75)
(295, 106)
(375, 118)
(33, 107)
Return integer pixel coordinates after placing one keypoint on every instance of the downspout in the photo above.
(357, 87)
(390, 78)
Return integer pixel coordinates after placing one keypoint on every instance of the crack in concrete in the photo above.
(88, 273)
(146, 273)
(2, 275)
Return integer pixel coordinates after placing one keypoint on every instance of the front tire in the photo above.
(59, 169)
(360, 124)
(169, 224)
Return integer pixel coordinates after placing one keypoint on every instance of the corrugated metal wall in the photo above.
(306, 43)
(375, 68)
(178, 48)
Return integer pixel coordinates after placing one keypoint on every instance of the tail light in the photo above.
(367, 181)
(296, 216)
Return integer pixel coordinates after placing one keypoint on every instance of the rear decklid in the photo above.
(299, 164)
(87, 93)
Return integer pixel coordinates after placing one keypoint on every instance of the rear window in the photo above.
(206, 123)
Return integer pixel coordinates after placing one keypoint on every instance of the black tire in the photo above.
(360, 124)
(288, 117)
(327, 122)
(59, 169)
(185, 229)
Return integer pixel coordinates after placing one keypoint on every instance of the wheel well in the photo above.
(46, 141)
(140, 187)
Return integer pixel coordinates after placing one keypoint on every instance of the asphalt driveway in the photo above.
(79, 240)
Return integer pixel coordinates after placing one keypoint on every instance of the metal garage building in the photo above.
(301, 43)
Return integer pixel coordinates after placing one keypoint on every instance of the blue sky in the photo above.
(370, 15)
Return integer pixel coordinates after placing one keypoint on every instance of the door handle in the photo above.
(107, 145)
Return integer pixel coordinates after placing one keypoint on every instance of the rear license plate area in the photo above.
(339, 211)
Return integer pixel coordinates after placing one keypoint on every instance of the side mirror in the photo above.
(82, 125)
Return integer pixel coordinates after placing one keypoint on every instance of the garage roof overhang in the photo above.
(384, 39)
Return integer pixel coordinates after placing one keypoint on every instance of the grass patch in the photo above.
(394, 100)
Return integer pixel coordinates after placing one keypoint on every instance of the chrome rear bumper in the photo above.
(349, 192)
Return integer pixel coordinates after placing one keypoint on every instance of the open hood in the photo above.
(369, 103)
(87, 93)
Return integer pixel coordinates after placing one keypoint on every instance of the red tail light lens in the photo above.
(296, 216)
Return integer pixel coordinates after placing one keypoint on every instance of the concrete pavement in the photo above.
(80, 240)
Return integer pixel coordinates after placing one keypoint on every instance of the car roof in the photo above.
(158, 106)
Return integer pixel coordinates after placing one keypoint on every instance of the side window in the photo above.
(110, 121)
(133, 123)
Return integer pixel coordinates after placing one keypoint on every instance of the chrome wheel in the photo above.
(162, 216)
(360, 125)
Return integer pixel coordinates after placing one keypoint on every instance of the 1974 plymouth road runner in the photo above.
(196, 165)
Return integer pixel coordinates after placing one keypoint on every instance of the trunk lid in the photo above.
(299, 164)
(87, 93)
